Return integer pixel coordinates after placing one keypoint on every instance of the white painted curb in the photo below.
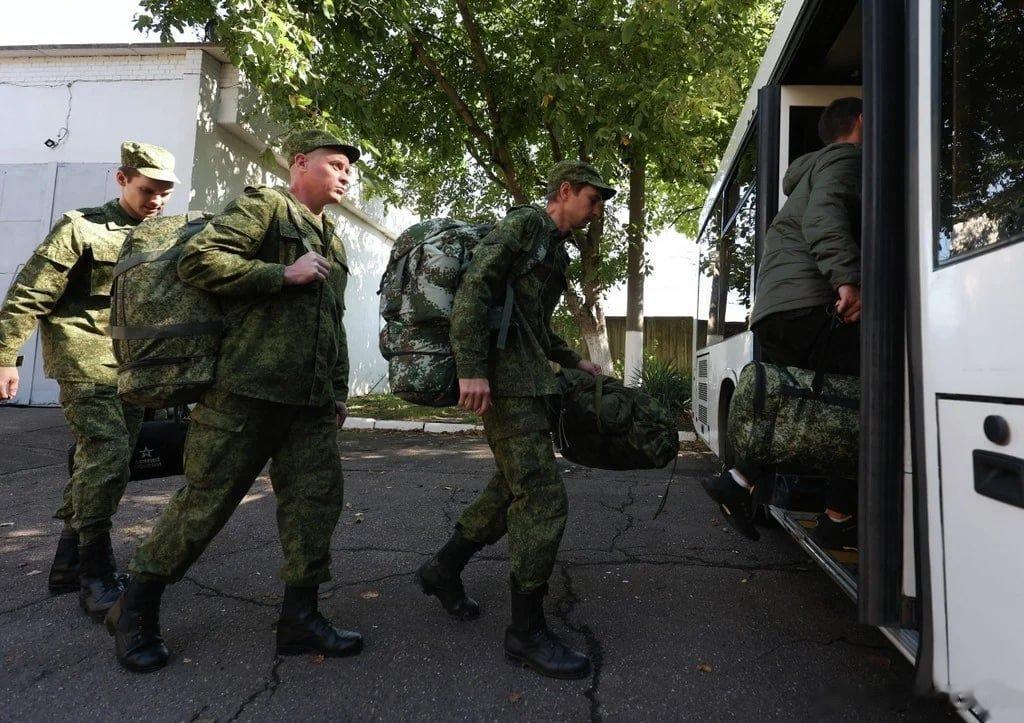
(399, 424)
(402, 425)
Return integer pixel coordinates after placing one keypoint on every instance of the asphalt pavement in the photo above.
(682, 618)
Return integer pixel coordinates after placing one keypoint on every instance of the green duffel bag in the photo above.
(166, 334)
(796, 419)
(602, 423)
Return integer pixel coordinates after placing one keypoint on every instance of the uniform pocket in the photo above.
(101, 269)
(289, 242)
(214, 438)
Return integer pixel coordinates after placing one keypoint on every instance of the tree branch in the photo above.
(499, 148)
(485, 167)
(556, 147)
(448, 89)
(480, 56)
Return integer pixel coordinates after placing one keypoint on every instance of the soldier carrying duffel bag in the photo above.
(790, 419)
(604, 424)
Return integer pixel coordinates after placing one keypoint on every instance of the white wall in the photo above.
(172, 99)
(101, 100)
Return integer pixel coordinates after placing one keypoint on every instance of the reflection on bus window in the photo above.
(727, 257)
(982, 142)
(707, 284)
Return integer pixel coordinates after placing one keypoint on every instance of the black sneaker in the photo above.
(734, 502)
(832, 535)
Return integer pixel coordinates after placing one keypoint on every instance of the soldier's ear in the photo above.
(122, 180)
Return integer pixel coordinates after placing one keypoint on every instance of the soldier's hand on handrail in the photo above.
(8, 383)
(309, 268)
(475, 395)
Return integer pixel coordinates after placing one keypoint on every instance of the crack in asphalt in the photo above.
(270, 684)
(564, 607)
(195, 716)
(216, 592)
(448, 508)
(621, 510)
(46, 673)
(368, 581)
(28, 604)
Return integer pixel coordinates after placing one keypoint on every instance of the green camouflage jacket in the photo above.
(521, 369)
(66, 285)
(281, 343)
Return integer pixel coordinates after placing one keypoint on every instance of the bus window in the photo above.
(981, 177)
(740, 240)
(707, 284)
(737, 243)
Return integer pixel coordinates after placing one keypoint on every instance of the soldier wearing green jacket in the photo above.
(509, 386)
(273, 259)
(807, 300)
(65, 285)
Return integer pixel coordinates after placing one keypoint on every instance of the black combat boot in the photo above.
(441, 577)
(99, 585)
(529, 642)
(66, 568)
(134, 621)
(302, 629)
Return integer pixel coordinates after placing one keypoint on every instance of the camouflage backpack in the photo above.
(417, 293)
(796, 419)
(166, 334)
(602, 423)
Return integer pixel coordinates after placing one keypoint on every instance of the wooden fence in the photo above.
(669, 338)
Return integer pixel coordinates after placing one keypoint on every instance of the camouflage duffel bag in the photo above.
(602, 423)
(166, 334)
(417, 292)
(796, 419)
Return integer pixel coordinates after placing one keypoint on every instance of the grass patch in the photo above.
(388, 406)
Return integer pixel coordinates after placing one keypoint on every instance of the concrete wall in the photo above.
(174, 99)
(101, 100)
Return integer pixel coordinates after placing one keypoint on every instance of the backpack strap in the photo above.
(506, 315)
(191, 328)
(524, 264)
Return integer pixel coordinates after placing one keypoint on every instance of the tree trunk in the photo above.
(635, 233)
(585, 302)
(593, 328)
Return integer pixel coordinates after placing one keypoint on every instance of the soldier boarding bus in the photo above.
(940, 490)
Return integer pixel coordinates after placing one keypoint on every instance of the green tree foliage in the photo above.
(463, 104)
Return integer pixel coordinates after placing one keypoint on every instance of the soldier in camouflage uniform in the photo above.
(274, 260)
(66, 286)
(509, 387)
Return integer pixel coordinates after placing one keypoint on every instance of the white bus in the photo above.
(941, 486)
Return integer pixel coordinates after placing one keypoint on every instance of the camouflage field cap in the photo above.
(578, 172)
(308, 141)
(149, 160)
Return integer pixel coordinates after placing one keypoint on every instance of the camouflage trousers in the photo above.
(104, 430)
(526, 497)
(230, 439)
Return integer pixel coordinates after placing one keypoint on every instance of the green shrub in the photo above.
(666, 383)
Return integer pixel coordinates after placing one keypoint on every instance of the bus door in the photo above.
(970, 263)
